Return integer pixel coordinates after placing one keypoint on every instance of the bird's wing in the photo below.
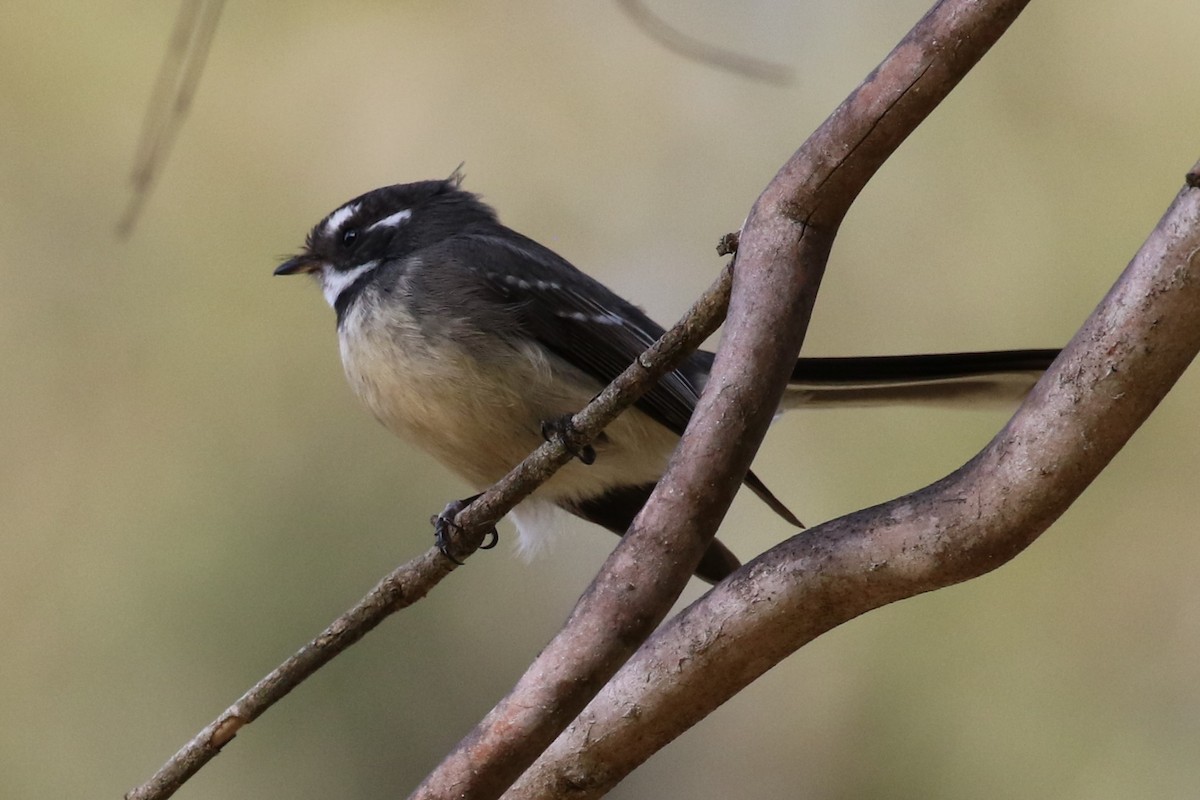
(577, 318)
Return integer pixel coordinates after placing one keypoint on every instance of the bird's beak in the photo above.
(299, 265)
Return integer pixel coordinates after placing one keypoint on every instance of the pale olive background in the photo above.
(189, 491)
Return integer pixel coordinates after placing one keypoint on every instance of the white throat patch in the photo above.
(333, 282)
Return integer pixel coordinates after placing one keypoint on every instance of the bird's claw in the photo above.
(563, 430)
(447, 532)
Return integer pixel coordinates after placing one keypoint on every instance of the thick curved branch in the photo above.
(1106, 382)
(781, 257)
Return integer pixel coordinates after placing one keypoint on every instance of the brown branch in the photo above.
(400, 589)
(1110, 377)
(413, 580)
(781, 257)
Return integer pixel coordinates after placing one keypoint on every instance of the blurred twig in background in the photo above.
(192, 39)
(171, 100)
(681, 44)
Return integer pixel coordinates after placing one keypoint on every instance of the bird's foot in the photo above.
(448, 534)
(563, 430)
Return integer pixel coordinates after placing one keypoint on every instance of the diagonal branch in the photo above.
(781, 257)
(403, 587)
(411, 581)
(1110, 377)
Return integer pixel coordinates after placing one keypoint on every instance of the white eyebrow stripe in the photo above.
(338, 218)
(392, 221)
(333, 283)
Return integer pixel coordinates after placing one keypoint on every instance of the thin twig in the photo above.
(413, 580)
(403, 587)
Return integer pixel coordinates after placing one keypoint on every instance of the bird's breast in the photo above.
(479, 408)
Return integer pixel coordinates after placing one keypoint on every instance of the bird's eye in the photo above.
(349, 237)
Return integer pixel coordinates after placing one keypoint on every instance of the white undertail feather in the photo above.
(538, 525)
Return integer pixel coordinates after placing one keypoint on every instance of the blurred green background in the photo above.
(189, 491)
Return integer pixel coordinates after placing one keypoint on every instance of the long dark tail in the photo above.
(988, 378)
(991, 378)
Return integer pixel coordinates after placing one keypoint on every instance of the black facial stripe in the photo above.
(351, 293)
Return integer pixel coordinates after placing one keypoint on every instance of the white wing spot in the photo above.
(513, 280)
(522, 283)
(599, 319)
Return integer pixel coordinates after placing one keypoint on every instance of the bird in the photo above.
(475, 342)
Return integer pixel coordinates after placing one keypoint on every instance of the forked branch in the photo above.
(1116, 369)
(781, 257)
